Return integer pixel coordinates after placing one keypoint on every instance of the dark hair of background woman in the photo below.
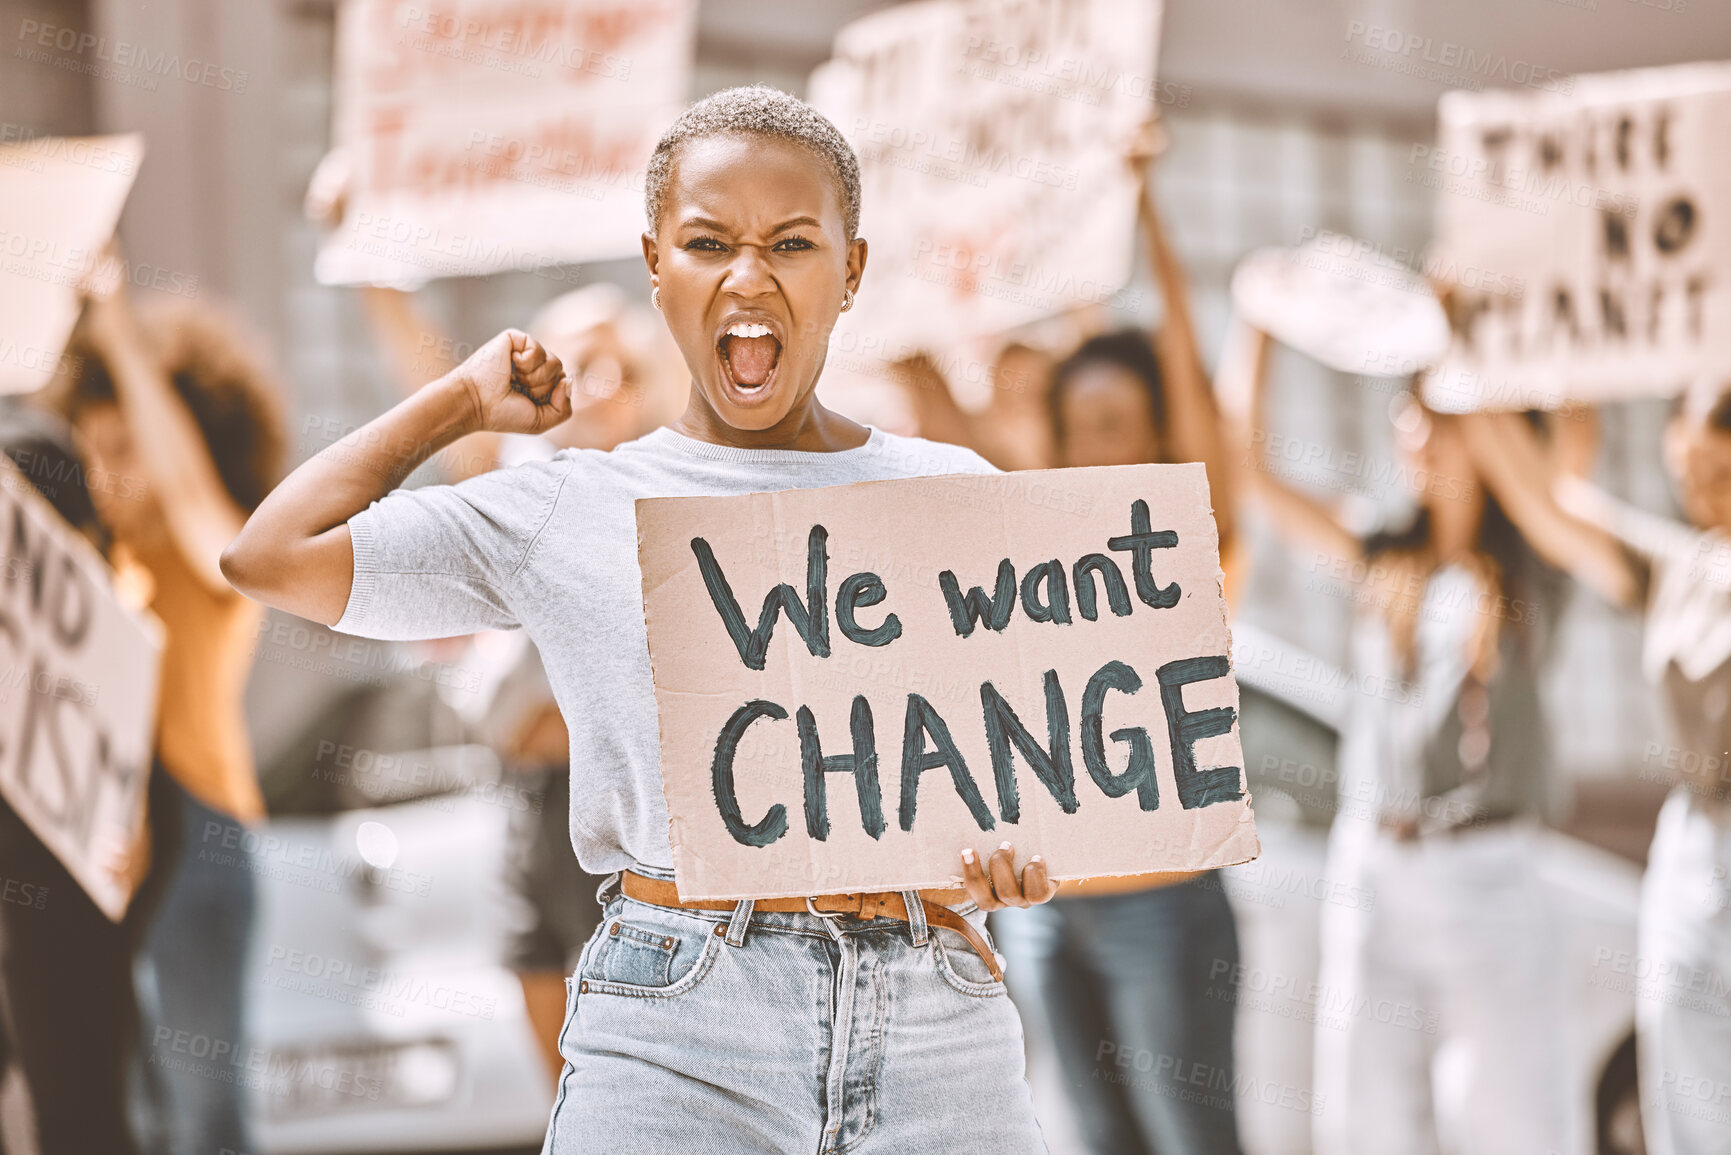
(40, 445)
(1521, 573)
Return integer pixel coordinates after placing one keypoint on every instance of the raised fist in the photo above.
(514, 385)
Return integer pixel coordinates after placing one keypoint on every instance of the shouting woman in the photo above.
(764, 1026)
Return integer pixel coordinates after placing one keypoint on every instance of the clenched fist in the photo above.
(513, 385)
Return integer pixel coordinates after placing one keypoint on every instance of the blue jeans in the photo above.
(1137, 994)
(720, 1031)
(191, 973)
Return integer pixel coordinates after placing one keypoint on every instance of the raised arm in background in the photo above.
(294, 552)
(201, 517)
(1523, 475)
(1193, 431)
(1297, 515)
(413, 345)
(936, 414)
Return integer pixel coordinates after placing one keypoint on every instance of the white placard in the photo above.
(61, 197)
(991, 136)
(1597, 227)
(488, 135)
(78, 685)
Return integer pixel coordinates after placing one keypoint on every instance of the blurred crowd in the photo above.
(168, 405)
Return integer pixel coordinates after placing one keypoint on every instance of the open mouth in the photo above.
(750, 353)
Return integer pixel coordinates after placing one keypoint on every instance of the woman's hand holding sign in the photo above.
(994, 886)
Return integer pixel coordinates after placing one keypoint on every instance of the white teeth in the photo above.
(741, 329)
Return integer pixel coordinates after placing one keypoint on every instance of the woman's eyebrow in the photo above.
(717, 226)
(703, 223)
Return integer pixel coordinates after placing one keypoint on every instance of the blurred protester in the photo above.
(627, 376)
(627, 379)
(1133, 962)
(623, 387)
(1444, 768)
(1682, 575)
(68, 1019)
(177, 413)
(550, 909)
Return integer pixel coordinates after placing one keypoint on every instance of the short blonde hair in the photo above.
(756, 110)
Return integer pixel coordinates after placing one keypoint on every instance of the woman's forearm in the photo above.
(1193, 419)
(200, 515)
(1511, 461)
(1174, 285)
(294, 552)
(935, 410)
(1297, 516)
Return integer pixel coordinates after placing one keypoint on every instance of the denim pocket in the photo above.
(643, 952)
(962, 967)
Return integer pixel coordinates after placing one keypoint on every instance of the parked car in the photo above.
(383, 1020)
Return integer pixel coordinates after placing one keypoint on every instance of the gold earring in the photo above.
(655, 296)
(846, 300)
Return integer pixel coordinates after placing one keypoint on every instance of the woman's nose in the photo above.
(748, 272)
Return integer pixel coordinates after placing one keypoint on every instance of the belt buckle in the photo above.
(811, 906)
(856, 910)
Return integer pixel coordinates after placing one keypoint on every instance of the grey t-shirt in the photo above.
(552, 547)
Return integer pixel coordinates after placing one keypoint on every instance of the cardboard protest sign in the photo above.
(487, 135)
(78, 680)
(991, 138)
(61, 198)
(1337, 300)
(856, 683)
(1596, 227)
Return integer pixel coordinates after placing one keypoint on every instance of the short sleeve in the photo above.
(441, 561)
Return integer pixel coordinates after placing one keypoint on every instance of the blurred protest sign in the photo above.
(1339, 301)
(991, 137)
(488, 135)
(1605, 216)
(78, 687)
(1046, 661)
(61, 198)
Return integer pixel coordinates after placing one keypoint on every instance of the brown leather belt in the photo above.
(875, 904)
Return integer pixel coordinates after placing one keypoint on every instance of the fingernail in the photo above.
(1004, 846)
(1036, 858)
(967, 856)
